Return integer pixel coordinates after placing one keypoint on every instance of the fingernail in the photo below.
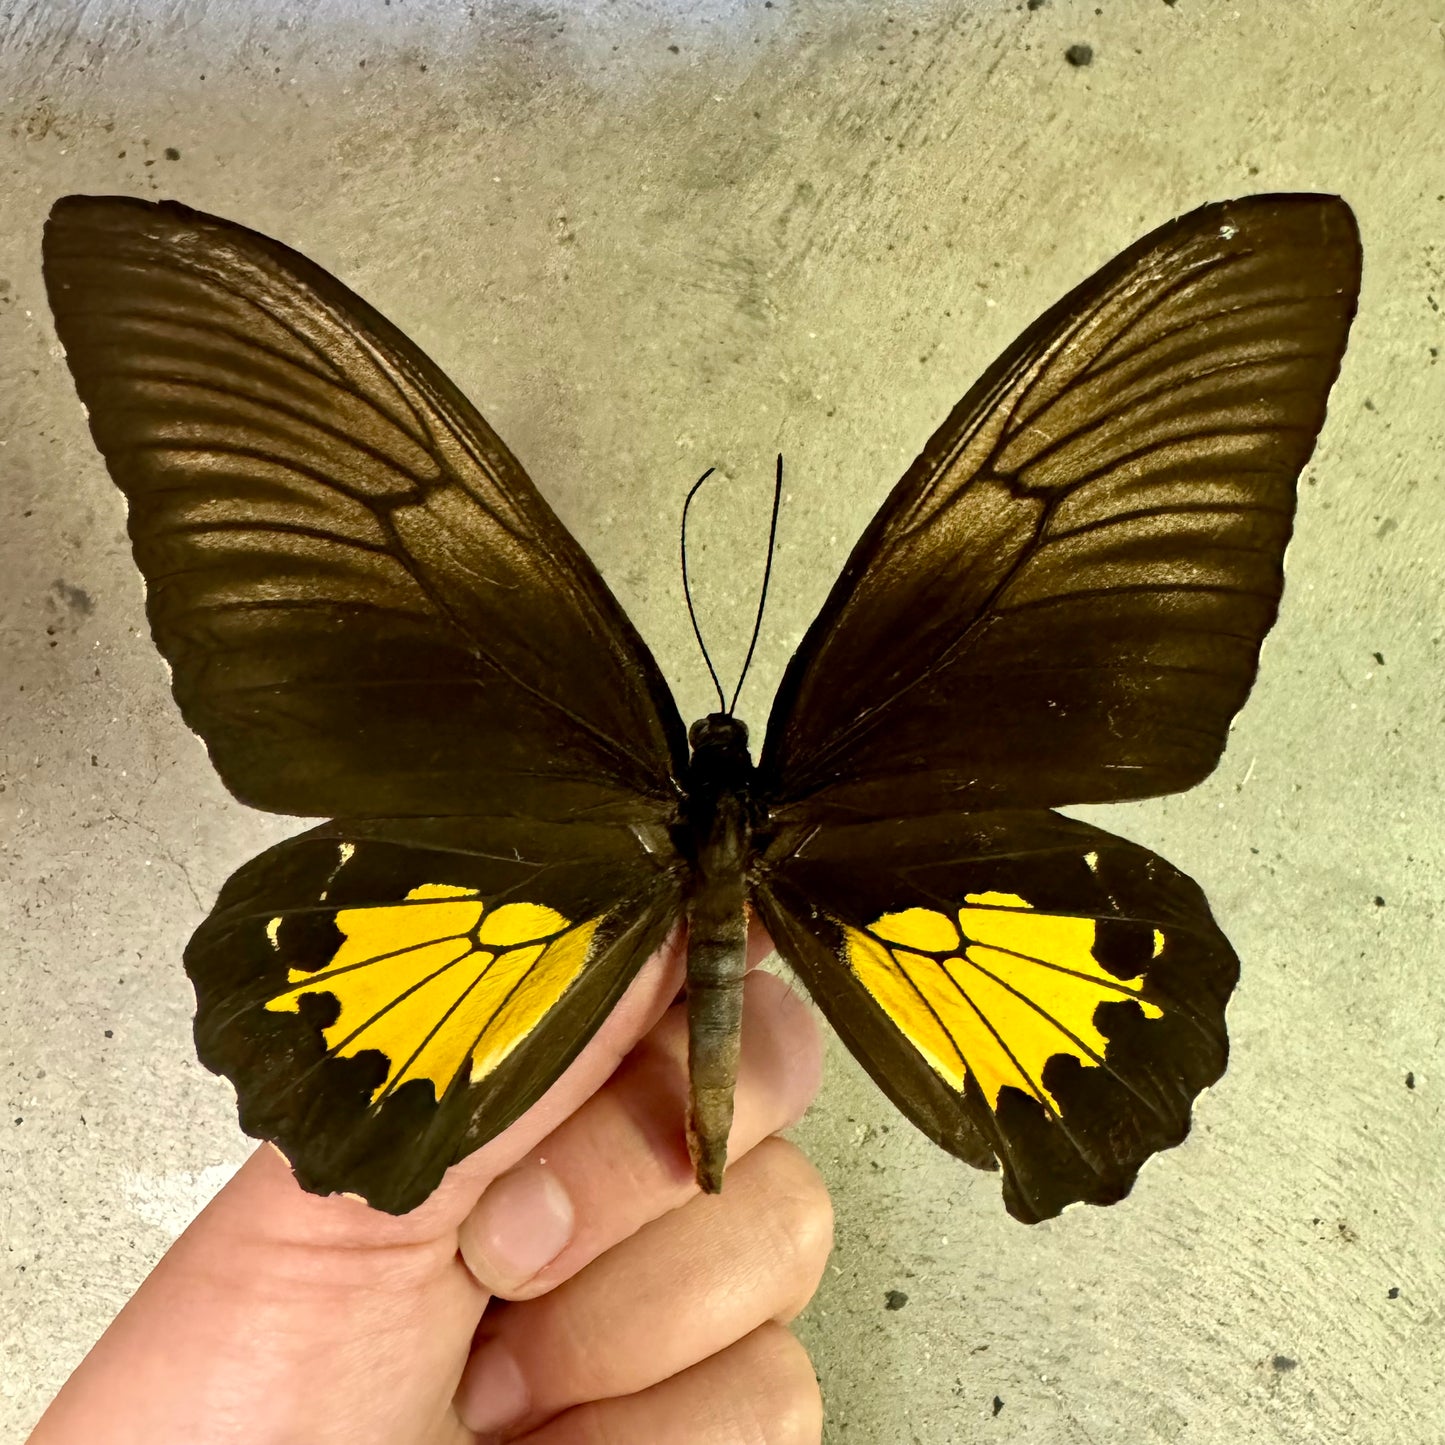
(522, 1222)
(492, 1394)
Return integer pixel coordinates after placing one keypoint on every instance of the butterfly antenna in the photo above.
(687, 589)
(763, 596)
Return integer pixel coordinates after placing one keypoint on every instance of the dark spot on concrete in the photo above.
(172, 154)
(1037, 4)
(1393, 1292)
(997, 1403)
(1346, 1233)
(895, 1299)
(674, 49)
(110, 1033)
(94, 761)
(1379, 658)
(1079, 55)
(19, 1120)
(1379, 902)
(1282, 1363)
(80, 602)
(1369, 405)
(1410, 1079)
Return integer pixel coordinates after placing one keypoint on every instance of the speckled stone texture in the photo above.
(648, 237)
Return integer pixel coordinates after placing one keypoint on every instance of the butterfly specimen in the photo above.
(372, 616)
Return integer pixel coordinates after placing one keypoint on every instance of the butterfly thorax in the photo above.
(720, 768)
(716, 829)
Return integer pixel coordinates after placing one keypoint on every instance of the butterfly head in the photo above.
(718, 732)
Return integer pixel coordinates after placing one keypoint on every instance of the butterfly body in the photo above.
(372, 616)
(720, 817)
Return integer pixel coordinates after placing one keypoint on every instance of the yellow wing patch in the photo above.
(439, 979)
(996, 991)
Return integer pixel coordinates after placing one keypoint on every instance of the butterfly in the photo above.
(372, 616)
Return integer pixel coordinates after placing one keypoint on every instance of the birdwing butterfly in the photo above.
(372, 616)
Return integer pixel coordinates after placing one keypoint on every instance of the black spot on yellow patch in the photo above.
(1123, 946)
(305, 934)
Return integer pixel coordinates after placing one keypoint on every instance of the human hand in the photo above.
(567, 1282)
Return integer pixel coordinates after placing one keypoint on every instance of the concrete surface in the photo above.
(648, 237)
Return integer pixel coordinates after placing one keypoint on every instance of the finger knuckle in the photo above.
(789, 1402)
(800, 1211)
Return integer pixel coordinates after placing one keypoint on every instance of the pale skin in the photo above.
(566, 1285)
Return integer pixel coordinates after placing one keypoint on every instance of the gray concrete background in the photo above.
(648, 237)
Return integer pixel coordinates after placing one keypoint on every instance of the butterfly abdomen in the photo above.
(717, 823)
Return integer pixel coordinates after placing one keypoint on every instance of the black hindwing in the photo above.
(387, 995)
